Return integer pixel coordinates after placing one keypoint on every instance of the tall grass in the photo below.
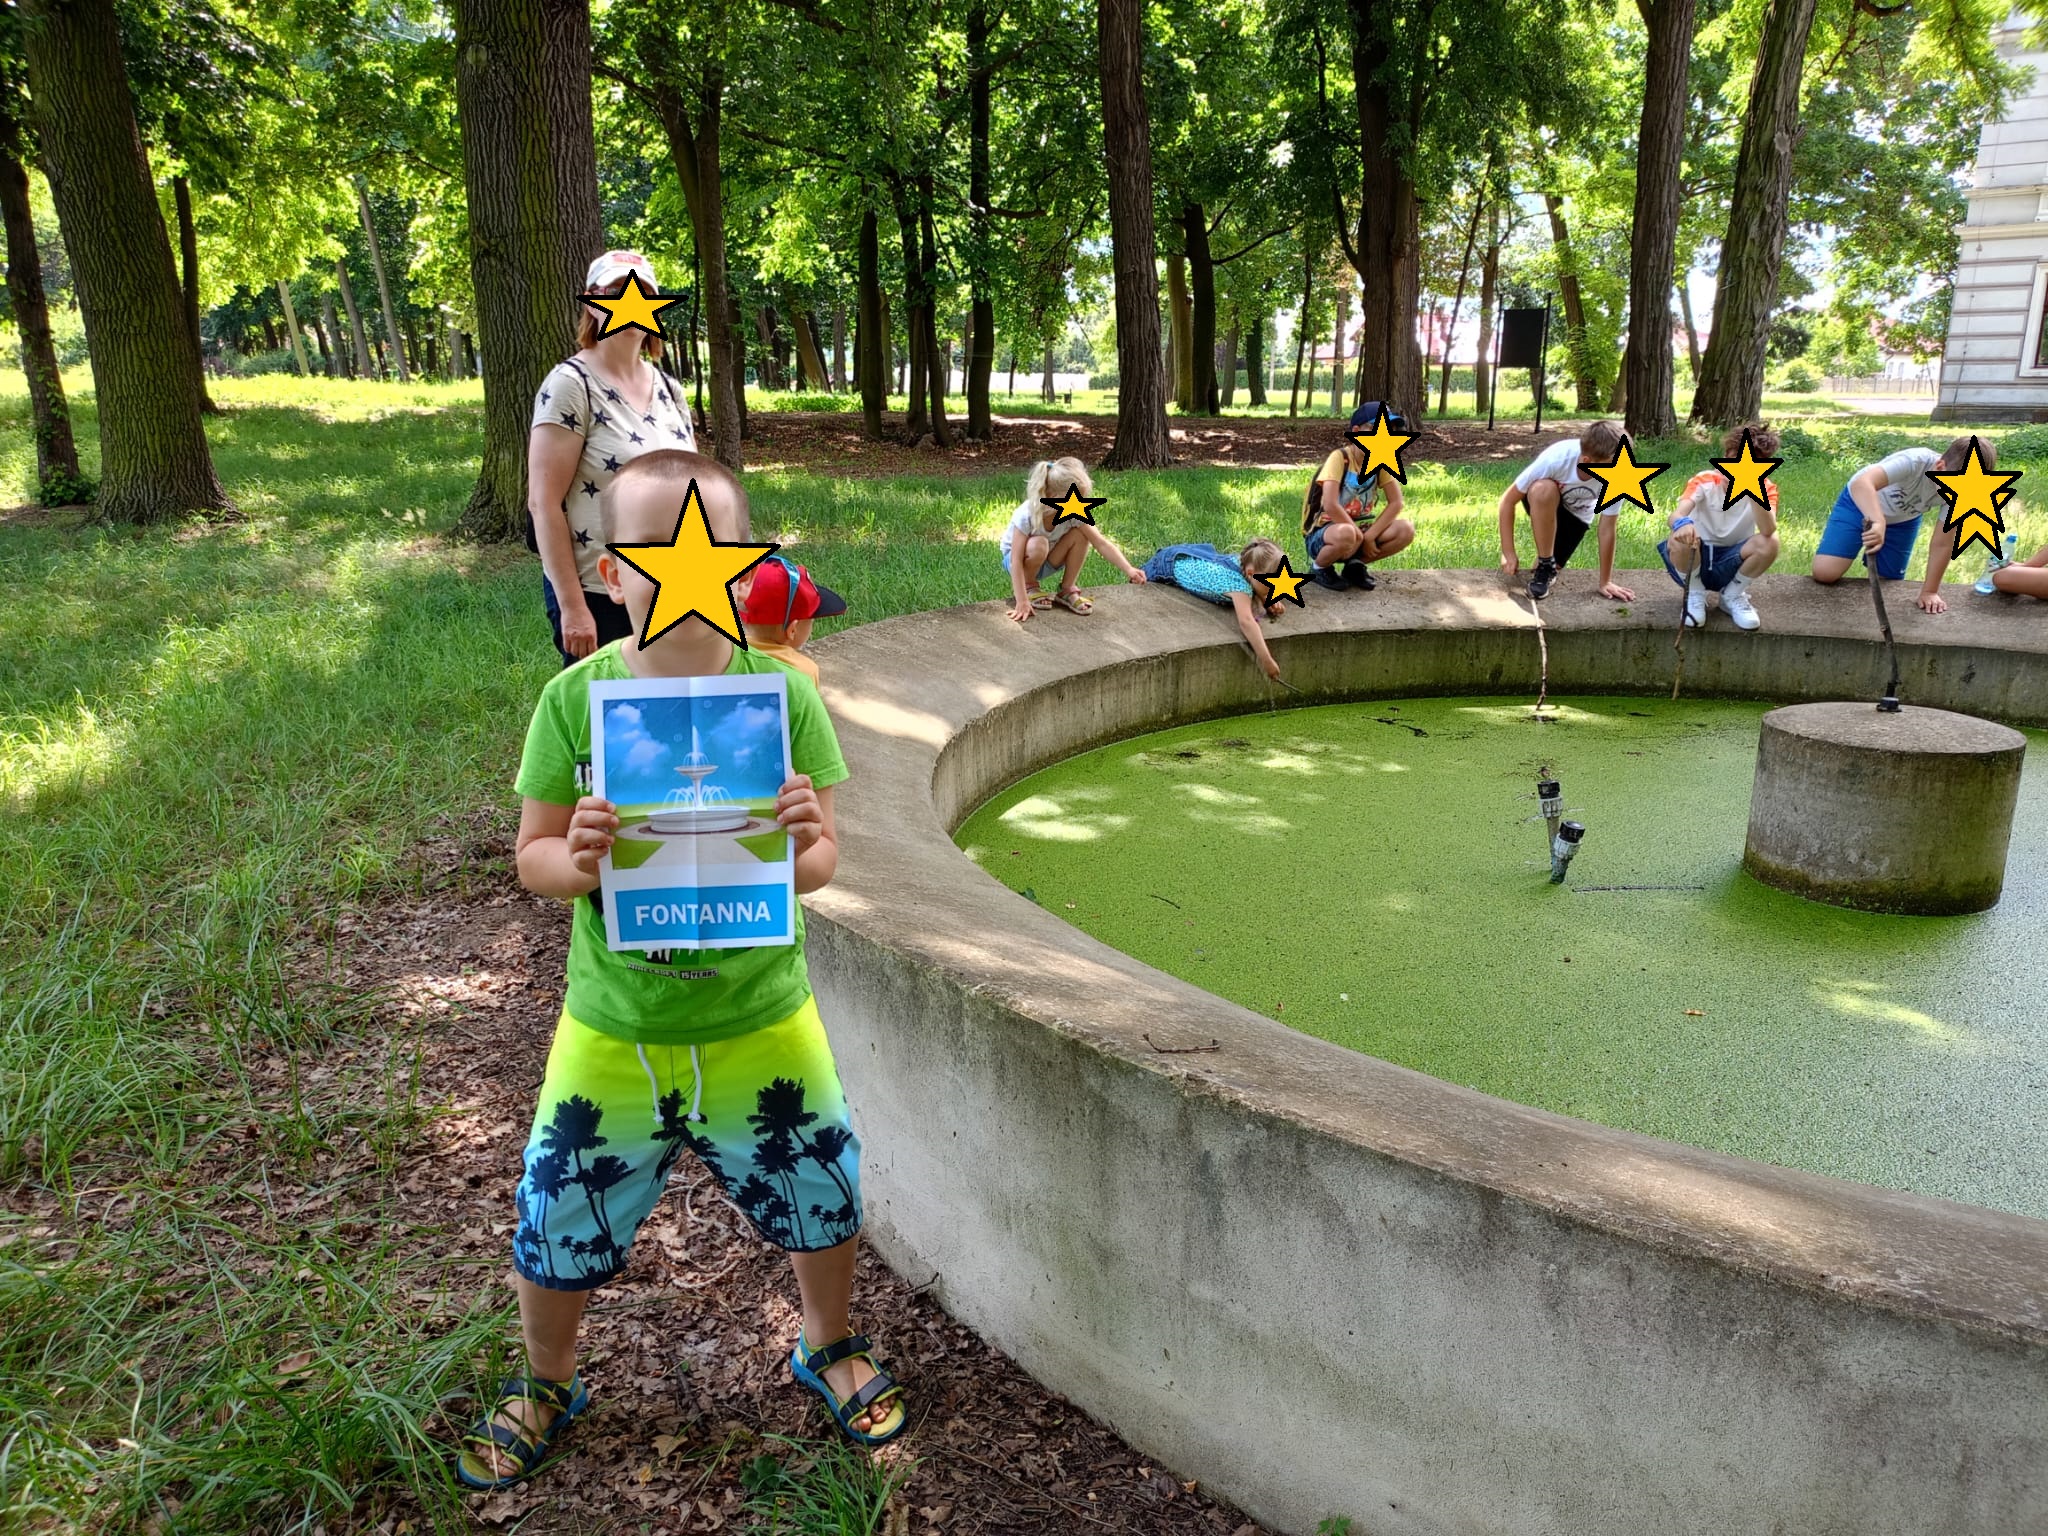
(214, 738)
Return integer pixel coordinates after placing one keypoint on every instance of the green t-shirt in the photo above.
(673, 996)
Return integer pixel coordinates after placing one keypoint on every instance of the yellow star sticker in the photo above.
(1285, 583)
(1746, 474)
(1625, 479)
(635, 308)
(692, 573)
(1074, 504)
(1383, 447)
(1976, 502)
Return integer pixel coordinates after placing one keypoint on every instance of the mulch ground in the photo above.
(828, 442)
(686, 1353)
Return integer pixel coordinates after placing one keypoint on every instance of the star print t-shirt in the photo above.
(670, 996)
(580, 400)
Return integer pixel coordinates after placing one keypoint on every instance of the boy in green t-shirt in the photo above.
(719, 1051)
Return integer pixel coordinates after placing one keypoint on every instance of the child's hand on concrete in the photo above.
(1136, 577)
(1022, 611)
(797, 809)
(590, 834)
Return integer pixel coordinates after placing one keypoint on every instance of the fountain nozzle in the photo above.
(1550, 801)
(1563, 847)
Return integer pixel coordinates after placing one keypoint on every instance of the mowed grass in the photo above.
(215, 738)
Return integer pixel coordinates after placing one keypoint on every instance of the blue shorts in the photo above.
(1046, 572)
(1843, 538)
(1316, 537)
(1720, 565)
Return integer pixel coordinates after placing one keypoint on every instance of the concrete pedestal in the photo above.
(1908, 812)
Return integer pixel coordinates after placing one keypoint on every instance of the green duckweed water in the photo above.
(1365, 873)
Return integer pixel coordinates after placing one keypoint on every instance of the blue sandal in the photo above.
(567, 1398)
(808, 1366)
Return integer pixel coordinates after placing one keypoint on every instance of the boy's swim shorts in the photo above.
(763, 1113)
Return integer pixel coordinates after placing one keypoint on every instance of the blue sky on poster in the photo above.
(646, 740)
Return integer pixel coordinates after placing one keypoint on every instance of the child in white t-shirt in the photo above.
(1036, 544)
(1877, 517)
(1725, 544)
(1563, 501)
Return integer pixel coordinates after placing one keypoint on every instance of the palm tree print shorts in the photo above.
(764, 1113)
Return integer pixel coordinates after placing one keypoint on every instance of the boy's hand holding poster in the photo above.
(693, 766)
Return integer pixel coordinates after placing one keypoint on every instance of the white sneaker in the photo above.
(1736, 604)
(1696, 609)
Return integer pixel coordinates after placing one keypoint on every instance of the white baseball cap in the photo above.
(613, 265)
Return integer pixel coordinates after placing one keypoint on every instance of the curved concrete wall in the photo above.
(1326, 1285)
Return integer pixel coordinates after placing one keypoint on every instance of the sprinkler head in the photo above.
(1562, 849)
(1888, 705)
(1550, 797)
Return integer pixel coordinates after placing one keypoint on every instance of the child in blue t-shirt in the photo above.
(1210, 574)
(719, 1052)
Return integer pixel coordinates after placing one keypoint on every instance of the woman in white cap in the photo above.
(597, 411)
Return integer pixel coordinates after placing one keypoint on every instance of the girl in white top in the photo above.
(1730, 542)
(597, 411)
(1035, 545)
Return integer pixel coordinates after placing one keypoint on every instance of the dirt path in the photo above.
(685, 1354)
(829, 442)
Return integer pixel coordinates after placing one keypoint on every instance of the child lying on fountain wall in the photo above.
(1341, 544)
(719, 1051)
(778, 601)
(1563, 502)
(1208, 573)
(1730, 543)
(1035, 546)
(1879, 513)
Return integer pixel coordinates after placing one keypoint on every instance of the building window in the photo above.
(2033, 360)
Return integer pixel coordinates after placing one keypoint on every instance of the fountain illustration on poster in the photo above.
(701, 864)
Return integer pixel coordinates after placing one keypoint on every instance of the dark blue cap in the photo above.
(1369, 413)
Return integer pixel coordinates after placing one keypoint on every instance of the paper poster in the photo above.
(693, 766)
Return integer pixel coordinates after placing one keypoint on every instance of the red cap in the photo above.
(771, 601)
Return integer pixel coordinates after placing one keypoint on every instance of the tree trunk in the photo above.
(273, 339)
(355, 319)
(1181, 320)
(871, 333)
(188, 251)
(1583, 372)
(522, 239)
(1653, 238)
(1141, 435)
(1386, 255)
(1731, 379)
(692, 130)
(154, 459)
(1337, 348)
(981, 354)
(1045, 388)
(886, 345)
(838, 348)
(1617, 400)
(809, 355)
(337, 358)
(770, 370)
(1692, 335)
(1308, 287)
(736, 338)
(572, 143)
(916, 411)
(291, 326)
(392, 336)
(1012, 391)
(938, 359)
(57, 473)
(1255, 356)
(1226, 387)
(1443, 398)
(1201, 332)
(1489, 285)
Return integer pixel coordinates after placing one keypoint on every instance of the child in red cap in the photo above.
(777, 606)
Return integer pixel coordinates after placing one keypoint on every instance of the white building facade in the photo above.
(1995, 366)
